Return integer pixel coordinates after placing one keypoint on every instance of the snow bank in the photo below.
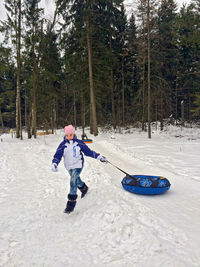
(110, 226)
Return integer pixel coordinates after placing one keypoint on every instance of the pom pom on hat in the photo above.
(69, 129)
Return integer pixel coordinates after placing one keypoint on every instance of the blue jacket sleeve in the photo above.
(58, 155)
(88, 152)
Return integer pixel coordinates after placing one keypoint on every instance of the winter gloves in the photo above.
(102, 159)
(54, 167)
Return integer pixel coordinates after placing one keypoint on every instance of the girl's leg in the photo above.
(72, 196)
(75, 180)
(80, 183)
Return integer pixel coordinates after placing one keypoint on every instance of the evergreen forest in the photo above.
(94, 65)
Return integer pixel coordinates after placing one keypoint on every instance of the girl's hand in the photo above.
(54, 167)
(102, 159)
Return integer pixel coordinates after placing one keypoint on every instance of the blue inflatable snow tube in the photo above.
(146, 184)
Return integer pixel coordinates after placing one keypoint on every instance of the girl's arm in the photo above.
(88, 152)
(58, 155)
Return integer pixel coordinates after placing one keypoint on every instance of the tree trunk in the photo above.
(161, 110)
(182, 113)
(18, 96)
(53, 115)
(82, 112)
(143, 51)
(1, 120)
(143, 100)
(34, 92)
(118, 114)
(161, 106)
(123, 89)
(74, 109)
(112, 90)
(156, 113)
(91, 123)
(112, 98)
(29, 133)
(34, 123)
(149, 69)
(25, 110)
(27, 115)
(92, 96)
(176, 102)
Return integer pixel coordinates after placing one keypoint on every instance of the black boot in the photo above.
(71, 203)
(83, 190)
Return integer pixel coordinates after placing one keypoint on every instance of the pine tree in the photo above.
(50, 92)
(12, 30)
(92, 30)
(196, 109)
(75, 59)
(188, 77)
(167, 58)
(33, 21)
(132, 73)
(7, 88)
(146, 16)
(115, 29)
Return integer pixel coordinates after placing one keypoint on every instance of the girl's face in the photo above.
(69, 136)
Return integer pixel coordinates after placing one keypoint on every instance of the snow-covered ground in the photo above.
(110, 226)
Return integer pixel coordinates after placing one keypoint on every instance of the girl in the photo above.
(71, 150)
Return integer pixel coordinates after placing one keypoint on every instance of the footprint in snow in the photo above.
(48, 192)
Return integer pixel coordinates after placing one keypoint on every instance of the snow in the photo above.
(110, 226)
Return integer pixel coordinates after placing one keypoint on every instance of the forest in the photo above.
(93, 65)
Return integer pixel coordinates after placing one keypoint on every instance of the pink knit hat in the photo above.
(69, 129)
